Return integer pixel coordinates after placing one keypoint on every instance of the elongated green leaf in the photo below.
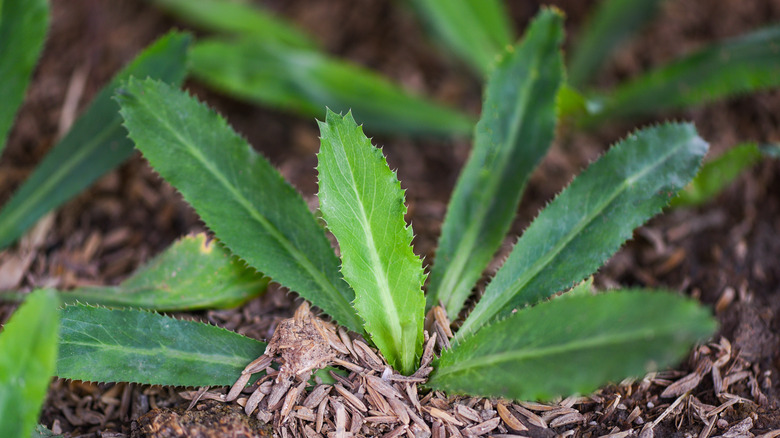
(716, 174)
(231, 16)
(306, 81)
(476, 30)
(28, 344)
(611, 24)
(104, 345)
(573, 345)
(748, 63)
(23, 27)
(513, 134)
(362, 202)
(588, 221)
(95, 144)
(237, 193)
(191, 274)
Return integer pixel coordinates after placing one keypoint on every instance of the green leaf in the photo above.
(573, 345)
(476, 30)
(611, 24)
(587, 222)
(237, 193)
(230, 16)
(104, 345)
(94, 145)
(191, 274)
(513, 134)
(363, 204)
(306, 81)
(748, 63)
(28, 344)
(23, 27)
(716, 174)
(42, 431)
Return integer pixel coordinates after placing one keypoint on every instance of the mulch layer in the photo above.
(724, 253)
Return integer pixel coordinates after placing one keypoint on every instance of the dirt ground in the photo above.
(725, 253)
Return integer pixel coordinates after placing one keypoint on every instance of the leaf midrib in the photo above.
(502, 298)
(303, 261)
(574, 345)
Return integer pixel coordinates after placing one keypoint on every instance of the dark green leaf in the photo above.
(230, 16)
(104, 345)
(191, 274)
(306, 81)
(748, 63)
(237, 193)
(587, 222)
(476, 30)
(611, 24)
(716, 174)
(362, 202)
(513, 134)
(573, 345)
(28, 344)
(23, 27)
(95, 144)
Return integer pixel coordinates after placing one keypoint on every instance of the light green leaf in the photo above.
(94, 145)
(587, 222)
(476, 30)
(573, 345)
(306, 81)
(611, 24)
(191, 274)
(23, 26)
(237, 193)
(716, 174)
(231, 16)
(747, 63)
(104, 345)
(513, 134)
(28, 344)
(362, 202)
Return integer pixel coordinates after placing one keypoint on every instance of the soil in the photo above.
(723, 253)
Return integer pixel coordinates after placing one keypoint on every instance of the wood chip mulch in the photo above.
(722, 397)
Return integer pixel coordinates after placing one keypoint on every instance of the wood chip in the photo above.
(290, 400)
(440, 316)
(237, 387)
(254, 400)
(321, 414)
(739, 430)
(305, 414)
(510, 419)
(398, 431)
(348, 365)
(399, 409)
(341, 418)
(566, 419)
(442, 415)
(382, 387)
(350, 398)
(316, 396)
(368, 356)
(530, 416)
(734, 378)
(682, 386)
(382, 419)
(467, 413)
(482, 428)
(258, 364)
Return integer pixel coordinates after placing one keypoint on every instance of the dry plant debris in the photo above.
(721, 397)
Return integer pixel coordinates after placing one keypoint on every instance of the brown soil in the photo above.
(724, 253)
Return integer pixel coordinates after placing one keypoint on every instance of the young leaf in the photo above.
(588, 221)
(513, 134)
(306, 81)
(476, 30)
(94, 145)
(23, 27)
(237, 193)
(191, 274)
(716, 174)
(28, 344)
(611, 23)
(363, 204)
(748, 63)
(573, 345)
(103, 345)
(230, 16)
